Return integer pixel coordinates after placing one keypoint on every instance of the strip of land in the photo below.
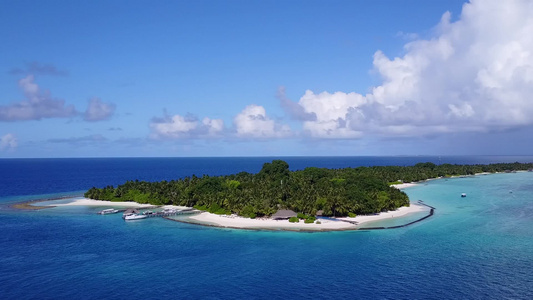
(235, 221)
(90, 202)
(31, 205)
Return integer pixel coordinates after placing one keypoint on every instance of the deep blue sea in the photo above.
(478, 247)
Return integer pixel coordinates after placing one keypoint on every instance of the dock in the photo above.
(161, 214)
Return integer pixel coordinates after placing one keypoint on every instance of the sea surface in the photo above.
(478, 247)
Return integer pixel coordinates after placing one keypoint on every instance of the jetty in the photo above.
(431, 212)
(161, 214)
(157, 214)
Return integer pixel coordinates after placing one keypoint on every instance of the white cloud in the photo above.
(252, 122)
(38, 105)
(177, 126)
(8, 142)
(331, 112)
(213, 126)
(475, 74)
(98, 110)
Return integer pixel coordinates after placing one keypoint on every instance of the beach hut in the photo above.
(319, 213)
(284, 214)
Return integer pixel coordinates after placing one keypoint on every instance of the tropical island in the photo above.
(313, 191)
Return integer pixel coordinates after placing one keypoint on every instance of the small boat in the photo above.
(463, 195)
(148, 212)
(134, 217)
(108, 211)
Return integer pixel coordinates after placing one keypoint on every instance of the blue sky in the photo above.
(265, 78)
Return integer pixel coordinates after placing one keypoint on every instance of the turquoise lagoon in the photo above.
(478, 247)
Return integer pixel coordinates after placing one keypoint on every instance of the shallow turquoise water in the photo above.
(478, 247)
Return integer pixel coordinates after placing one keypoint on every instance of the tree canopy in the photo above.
(336, 192)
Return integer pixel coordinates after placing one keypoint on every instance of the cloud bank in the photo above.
(475, 74)
(41, 105)
(251, 123)
(177, 126)
(38, 104)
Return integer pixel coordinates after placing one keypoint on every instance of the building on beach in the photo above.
(283, 214)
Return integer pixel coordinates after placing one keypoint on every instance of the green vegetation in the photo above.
(336, 192)
(294, 220)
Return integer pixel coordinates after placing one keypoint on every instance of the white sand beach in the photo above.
(400, 212)
(234, 221)
(90, 202)
(404, 185)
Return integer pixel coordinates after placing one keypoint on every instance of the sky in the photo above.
(265, 78)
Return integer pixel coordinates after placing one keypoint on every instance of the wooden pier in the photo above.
(172, 213)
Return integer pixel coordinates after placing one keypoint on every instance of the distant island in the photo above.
(312, 191)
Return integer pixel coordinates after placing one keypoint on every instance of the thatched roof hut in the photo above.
(284, 214)
(320, 212)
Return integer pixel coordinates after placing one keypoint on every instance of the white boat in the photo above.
(134, 217)
(463, 195)
(108, 211)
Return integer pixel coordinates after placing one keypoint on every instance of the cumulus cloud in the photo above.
(474, 74)
(98, 110)
(330, 112)
(252, 122)
(38, 104)
(8, 142)
(177, 126)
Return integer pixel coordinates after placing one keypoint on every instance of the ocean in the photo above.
(478, 247)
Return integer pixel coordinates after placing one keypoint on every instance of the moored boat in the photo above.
(108, 211)
(134, 217)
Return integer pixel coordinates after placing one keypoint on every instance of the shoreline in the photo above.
(402, 186)
(29, 205)
(234, 221)
(327, 224)
(92, 202)
(76, 201)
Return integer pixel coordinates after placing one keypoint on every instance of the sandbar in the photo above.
(91, 202)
